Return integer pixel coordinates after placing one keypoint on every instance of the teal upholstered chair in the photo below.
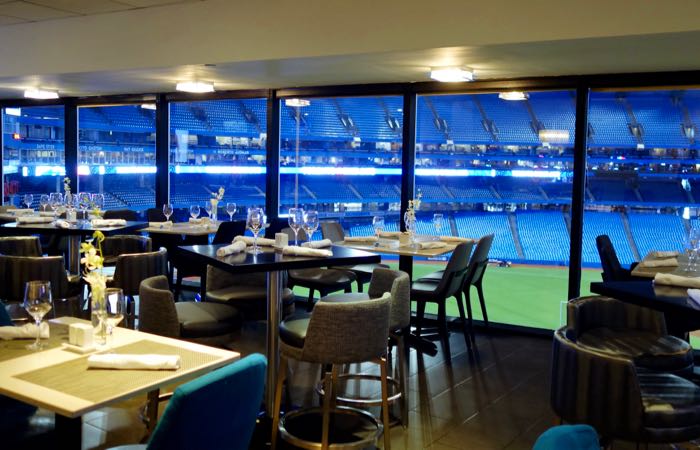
(215, 411)
(570, 437)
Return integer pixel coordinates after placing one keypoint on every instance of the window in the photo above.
(33, 158)
(116, 154)
(218, 143)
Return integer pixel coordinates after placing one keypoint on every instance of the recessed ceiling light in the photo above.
(513, 96)
(40, 94)
(297, 102)
(451, 74)
(196, 87)
(148, 106)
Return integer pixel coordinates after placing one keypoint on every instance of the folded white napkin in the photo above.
(46, 213)
(677, 280)
(694, 295)
(107, 222)
(390, 234)
(361, 239)
(200, 221)
(305, 251)
(27, 331)
(146, 362)
(665, 254)
(20, 212)
(455, 239)
(167, 224)
(33, 219)
(62, 224)
(230, 249)
(665, 262)
(430, 244)
(263, 242)
(318, 244)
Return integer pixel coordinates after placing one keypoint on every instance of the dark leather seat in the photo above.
(121, 244)
(293, 329)
(203, 319)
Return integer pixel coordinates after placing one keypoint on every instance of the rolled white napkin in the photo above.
(666, 262)
(27, 331)
(694, 295)
(167, 224)
(46, 213)
(665, 254)
(431, 244)
(20, 212)
(455, 239)
(61, 224)
(107, 222)
(33, 219)
(677, 280)
(144, 362)
(318, 244)
(390, 234)
(305, 251)
(230, 249)
(263, 242)
(361, 239)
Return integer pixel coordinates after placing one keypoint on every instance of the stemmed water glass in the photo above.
(37, 302)
(692, 246)
(437, 222)
(255, 223)
(207, 208)
(296, 220)
(84, 203)
(167, 211)
(98, 201)
(115, 309)
(378, 224)
(194, 211)
(310, 223)
(55, 202)
(231, 210)
(28, 199)
(44, 201)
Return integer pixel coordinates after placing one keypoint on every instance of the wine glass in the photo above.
(310, 223)
(55, 201)
(295, 220)
(378, 224)
(194, 211)
(231, 210)
(69, 201)
(28, 199)
(115, 309)
(437, 222)
(207, 208)
(255, 223)
(44, 201)
(98, 201)
(84, 203)
(37, 302)
(167, 211)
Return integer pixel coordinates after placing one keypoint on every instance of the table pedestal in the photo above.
(69, 431)
(274, 311)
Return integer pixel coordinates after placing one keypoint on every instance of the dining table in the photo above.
(274, 263)
(183, 229)
(58, 378)
(75, 232)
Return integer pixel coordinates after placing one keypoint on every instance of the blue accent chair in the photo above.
(568, 437)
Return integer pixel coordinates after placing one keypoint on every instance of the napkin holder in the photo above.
(281, 240)
(80, 334)
(404, 239)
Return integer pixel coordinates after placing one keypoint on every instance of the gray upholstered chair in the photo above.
(203, 322)
(398, 284)
(247, 292)
(20, 246)
(363, 272)
(619, 399)
(121, 244)
(332, 335)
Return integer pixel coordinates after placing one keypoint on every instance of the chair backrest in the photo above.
(456, 270)
(17, 270)
(217, 410)
(290, 233)
(125, 214)
(344, 333)
(399, 285)
(157, 313)
(332, 230)
(229, 230)
(131, 269)
(155, 215)
(20, 246)
(126, 243)
(479, 261)
(276, 226)
(612, 269)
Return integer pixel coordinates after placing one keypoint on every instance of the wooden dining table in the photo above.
(59, 380)
(184, 229)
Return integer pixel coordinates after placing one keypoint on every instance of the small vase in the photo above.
(98, 314)
(214, 209)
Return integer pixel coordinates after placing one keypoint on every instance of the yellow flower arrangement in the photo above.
(93, 261)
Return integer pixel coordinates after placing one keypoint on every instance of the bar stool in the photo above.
(399, 285)
(334, 334)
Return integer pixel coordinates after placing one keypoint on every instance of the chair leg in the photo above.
(360, 287)
(468, 301)
(385, 404)
(401, 362)
(420, 314)
(468, 333)
(442, 329)
(310, 301)
(178, 286)
(327, 390)
(480, 291)
(281, 375)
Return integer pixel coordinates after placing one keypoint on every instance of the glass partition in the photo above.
(489, 165)
(33, 159)
(116, 154)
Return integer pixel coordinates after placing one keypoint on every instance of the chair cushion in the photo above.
(244, 292)
(423, 290)
(646, 349)
(293, 329)
(669, 401)
(203, 319)
(347, 297)
(434, 276)
(321, 277)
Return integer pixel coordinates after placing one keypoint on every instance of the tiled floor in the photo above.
(494, 398)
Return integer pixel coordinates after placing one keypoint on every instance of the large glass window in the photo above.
(116, 154)
(218, 143)
(32, 156)
(491, 165)
(342, 157)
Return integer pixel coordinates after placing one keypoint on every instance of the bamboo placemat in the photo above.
(17, 347)
(98, 385)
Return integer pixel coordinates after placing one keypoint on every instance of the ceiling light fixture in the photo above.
(297, 102)
(451, 74)
(195, 87)
(40, 94)
(513, 96)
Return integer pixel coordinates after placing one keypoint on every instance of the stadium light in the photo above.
(513, 96)
(149, 106)
(554, 136)
(40, 94)
(195, 87)
(451, 74)
(13, 111)
(297, 102)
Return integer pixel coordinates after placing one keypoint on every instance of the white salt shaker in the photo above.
(281, 240)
